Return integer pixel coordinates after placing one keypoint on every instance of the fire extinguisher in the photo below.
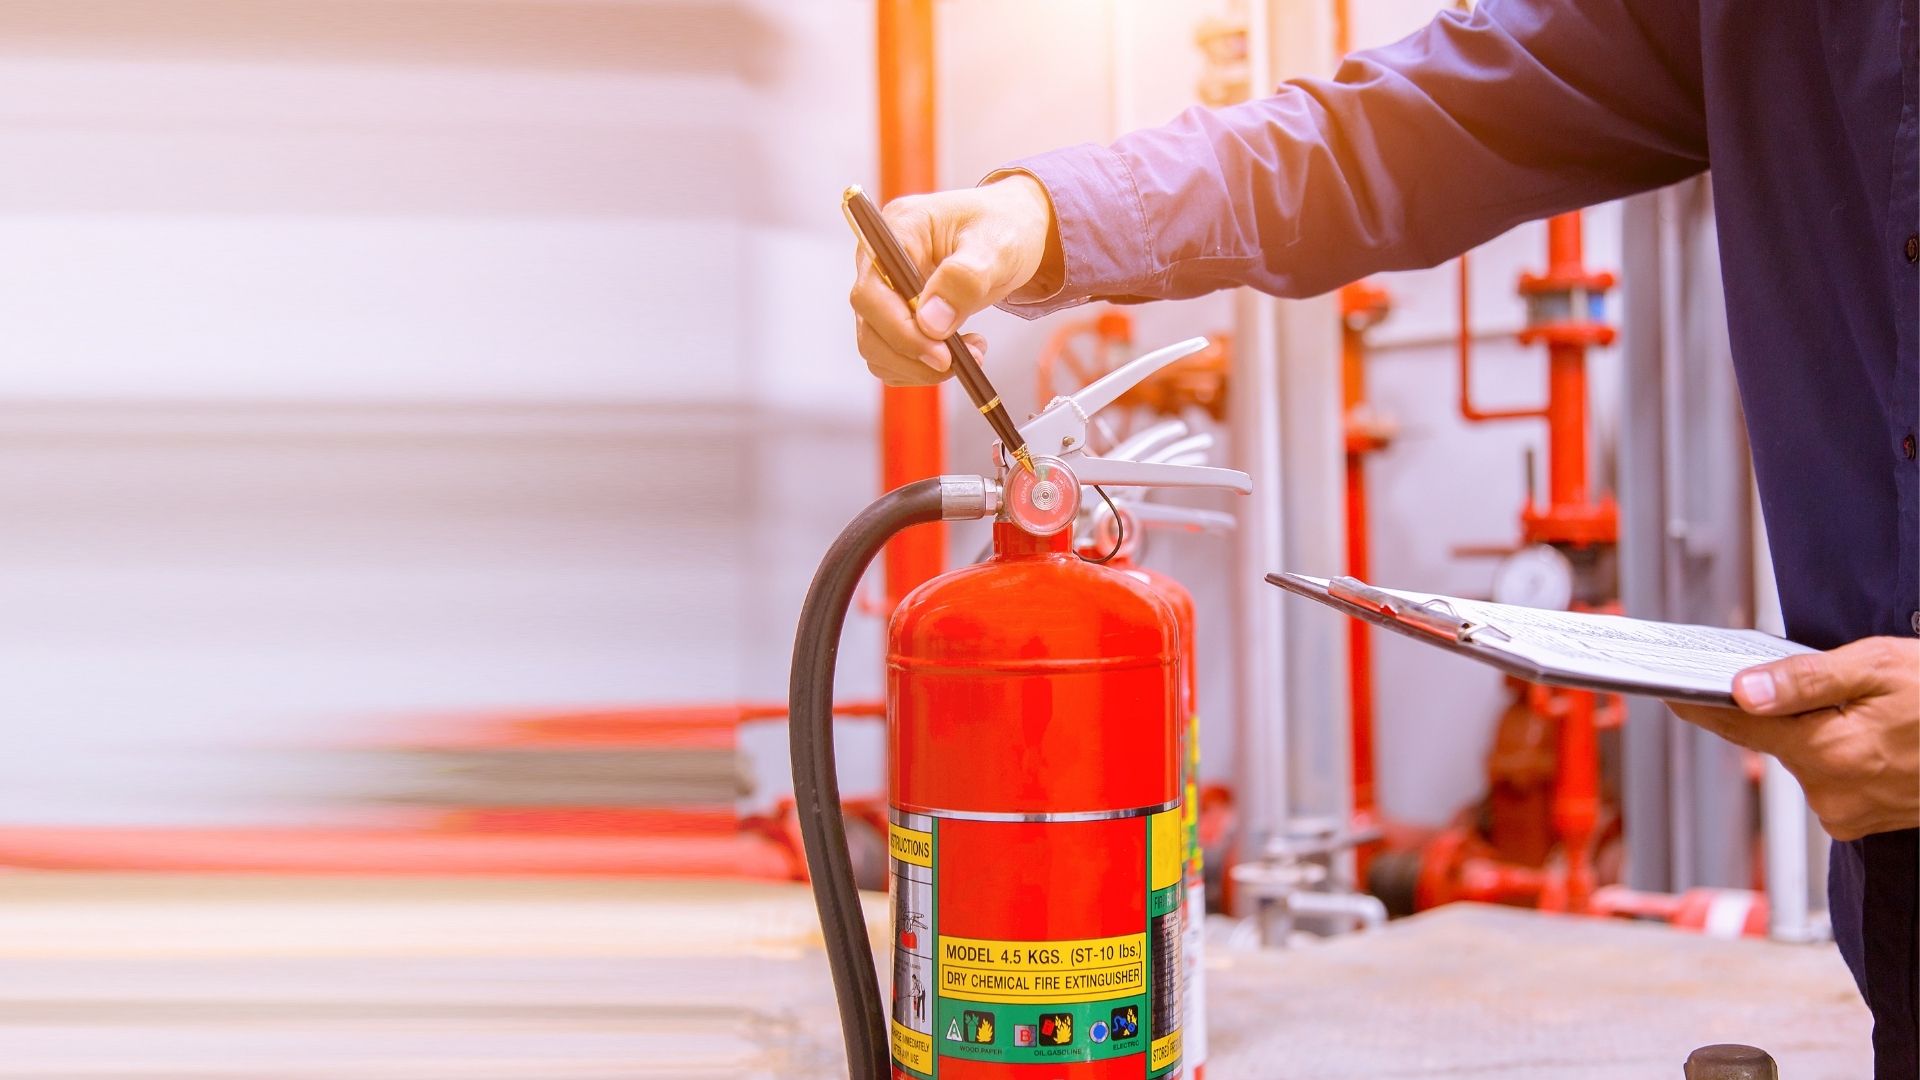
(1034, 733)
(1114, 534)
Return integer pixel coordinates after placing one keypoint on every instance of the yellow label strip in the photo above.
(910, 845)
(1043, 972)
(1164, 1052)
(912, 1049)
(1168, 849)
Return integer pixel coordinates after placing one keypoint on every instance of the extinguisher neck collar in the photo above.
(1011, 541)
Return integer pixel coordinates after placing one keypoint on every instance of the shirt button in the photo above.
(1913, 248)
(1913, 621)
(1908, 447)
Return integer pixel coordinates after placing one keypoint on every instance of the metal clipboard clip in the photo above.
(1435, 617)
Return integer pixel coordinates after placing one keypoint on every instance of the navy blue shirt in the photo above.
(1804, 109)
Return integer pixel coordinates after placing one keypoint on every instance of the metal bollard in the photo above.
(1731, 1061)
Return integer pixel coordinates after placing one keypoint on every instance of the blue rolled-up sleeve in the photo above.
(1412, 153)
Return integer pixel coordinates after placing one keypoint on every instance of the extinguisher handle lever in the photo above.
(1061, 427)
(1193, 447)
(1143, 446)
(1116, 473)
(1154, 515)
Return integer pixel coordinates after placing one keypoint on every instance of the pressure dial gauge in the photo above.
(1537, 576)
(1043, 501)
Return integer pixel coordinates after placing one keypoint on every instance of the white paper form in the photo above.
(1655, 655)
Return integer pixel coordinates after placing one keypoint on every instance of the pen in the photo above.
(904, 278)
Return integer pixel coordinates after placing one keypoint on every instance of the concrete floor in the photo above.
(170, 978)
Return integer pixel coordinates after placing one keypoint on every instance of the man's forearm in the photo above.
(1413, 153)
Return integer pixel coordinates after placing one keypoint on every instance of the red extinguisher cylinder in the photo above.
(1036, 730)
(1193, 1009)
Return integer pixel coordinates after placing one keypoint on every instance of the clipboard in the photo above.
(1436, 622)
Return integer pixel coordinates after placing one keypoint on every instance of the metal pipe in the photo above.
(911, 439)
(1786, 832)
(1784, 825)
(1683, 811)
(1260, 781)
(1646, 806)
(1364, 908)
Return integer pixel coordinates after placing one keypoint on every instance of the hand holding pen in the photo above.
(977, 246)
(902, 276)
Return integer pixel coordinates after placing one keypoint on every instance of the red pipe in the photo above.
(1467, 409)
(910, 419)
(1361, 305)
(1568, 328)
(1360, 649)
(1744, 912)
(1566, 379)
(1576, 790)
(1560, 314)
(323, 851)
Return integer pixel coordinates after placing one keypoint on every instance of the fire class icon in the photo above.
(1056, 1029)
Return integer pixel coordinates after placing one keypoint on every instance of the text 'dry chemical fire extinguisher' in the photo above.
(1035, 730)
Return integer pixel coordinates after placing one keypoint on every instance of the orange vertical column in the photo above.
(1362, 304)
(910, 420)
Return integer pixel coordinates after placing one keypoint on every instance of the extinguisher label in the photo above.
(1193, 997)
(1165, 1054)
(912, 1049)
(968, 985)
(1168, 850)
(1052, 972)
(1166, 931)
(910, 845)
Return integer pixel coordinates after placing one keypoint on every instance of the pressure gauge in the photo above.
(1043, 501)
(1537, 576)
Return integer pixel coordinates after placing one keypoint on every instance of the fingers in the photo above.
(913, 221)
(887, 329)
(961, 286)
(973, 246)
(1763, 733)
(1718, 721)
(1852, 775)
(954, 243)
(890, 366)
(1812, 681)
(1842, 723)
(893, 369)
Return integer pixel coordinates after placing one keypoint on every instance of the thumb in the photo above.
(960, 287)
(1807, 682)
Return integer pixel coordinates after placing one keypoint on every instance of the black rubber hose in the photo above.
(816, 786)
